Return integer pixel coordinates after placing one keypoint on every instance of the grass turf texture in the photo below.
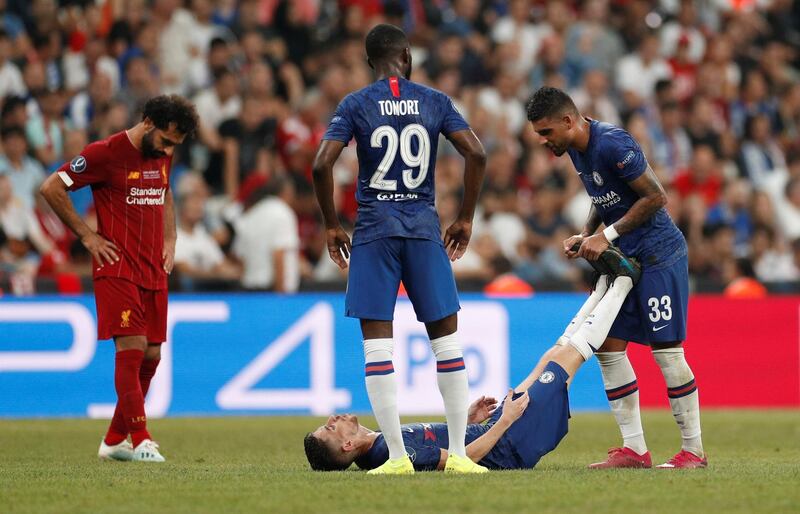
(257, 465)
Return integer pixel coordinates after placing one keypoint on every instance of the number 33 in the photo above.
(664, 313)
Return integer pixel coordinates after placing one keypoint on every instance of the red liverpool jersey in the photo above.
(128, 193)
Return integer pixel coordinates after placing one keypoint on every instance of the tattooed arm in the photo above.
(592, 222)
(651, 198)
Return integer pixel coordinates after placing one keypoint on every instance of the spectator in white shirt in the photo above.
(24, 243)
(197, 254)
(24, 172)
(267, 240)
(637, 73)
(523, 38)
(502, 102)
(593, 100)
(215, 105)
(685, 26)
(175, 42)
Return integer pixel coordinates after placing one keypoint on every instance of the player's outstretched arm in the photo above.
(55, 192)
(651, 198)
(322, 171)
(457, 236)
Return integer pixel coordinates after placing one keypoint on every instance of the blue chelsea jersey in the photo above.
(613, 159)
(425, 441)
(396, 124)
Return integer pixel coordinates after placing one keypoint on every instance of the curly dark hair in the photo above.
(549, 102)
(165, 109)
(321, 456)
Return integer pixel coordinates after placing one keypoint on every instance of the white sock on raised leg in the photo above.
(594, 329)
(588, 306)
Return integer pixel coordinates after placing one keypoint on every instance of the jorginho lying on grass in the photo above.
(532, 419)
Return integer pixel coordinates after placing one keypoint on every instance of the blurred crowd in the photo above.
(709, 88)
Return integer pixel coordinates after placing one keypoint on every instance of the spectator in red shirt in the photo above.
(703, 176)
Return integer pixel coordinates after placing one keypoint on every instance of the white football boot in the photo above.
(121, 451)
(147, 451)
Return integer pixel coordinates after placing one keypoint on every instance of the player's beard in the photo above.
(557, 150)
(149, 150)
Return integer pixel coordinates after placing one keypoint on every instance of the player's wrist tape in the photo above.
(611, 233)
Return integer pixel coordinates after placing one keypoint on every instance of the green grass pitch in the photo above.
(230, 465)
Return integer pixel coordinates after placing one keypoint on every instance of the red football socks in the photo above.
(118, 430)
(130, 398)
(146, 374)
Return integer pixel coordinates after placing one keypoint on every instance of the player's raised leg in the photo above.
(685, 403)
(594, 298)
(588, 306)
(592, 332)
(563, 361)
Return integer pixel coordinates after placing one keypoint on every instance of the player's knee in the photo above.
(667, 347)
(153, 352)
(668, 355)
(376, 329)
(613, 345)
(442, 327)
(131, 343)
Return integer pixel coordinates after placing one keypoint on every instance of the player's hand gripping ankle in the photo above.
(593, 246)
(569, 244)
